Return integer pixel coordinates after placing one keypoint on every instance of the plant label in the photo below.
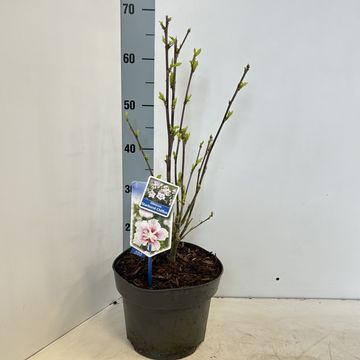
(137, 252)
(149, 233)
(159, 196)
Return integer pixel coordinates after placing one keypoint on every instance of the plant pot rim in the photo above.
(170, 289)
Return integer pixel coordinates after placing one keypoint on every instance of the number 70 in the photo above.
(129, 8)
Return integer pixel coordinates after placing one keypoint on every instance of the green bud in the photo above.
(229, 113)
(197, 52)
(179, 178)
(126, 116)
(162, 97)
(194, 64)
(174, 103)
(197, 162)
(137, 133)
(172, 79)
(242, 85)
(174, 130)
(187, 99)
(185, 134)
(158, 176)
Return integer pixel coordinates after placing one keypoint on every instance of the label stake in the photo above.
(150, 269)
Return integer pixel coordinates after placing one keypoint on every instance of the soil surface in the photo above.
(193, 266)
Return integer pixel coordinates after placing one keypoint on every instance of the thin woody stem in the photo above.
(185, 37)
(194, 167)
(183, 235)
(211, 147)
(187, 214)
(182, 117)
(173, 86)
(238, 88)
(184, 102)
(168, 159)
(136, 135)
(182, 174)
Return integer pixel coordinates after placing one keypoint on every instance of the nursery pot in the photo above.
(167, 323)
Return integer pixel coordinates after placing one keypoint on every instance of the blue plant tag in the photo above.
(159, 196)
(137, 252)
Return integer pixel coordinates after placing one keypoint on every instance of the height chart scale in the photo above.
(137, 87)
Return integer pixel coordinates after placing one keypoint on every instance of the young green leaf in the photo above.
(162, 97)
(175, 65)
(197, 52)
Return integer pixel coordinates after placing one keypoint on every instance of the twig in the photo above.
(182, 236)
(186, 100)
(225, 117)
(185, 37)
(193, 167)
(167, 46)
(187, 214)
(173, 84)
(136, 135)
(203, 167)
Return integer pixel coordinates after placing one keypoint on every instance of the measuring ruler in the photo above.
(137, 87)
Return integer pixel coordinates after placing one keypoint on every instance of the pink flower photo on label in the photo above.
(150, 232)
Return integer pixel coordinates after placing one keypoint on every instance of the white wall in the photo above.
(60, 175)
(284, 179)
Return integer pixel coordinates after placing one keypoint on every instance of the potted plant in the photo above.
(168, 320)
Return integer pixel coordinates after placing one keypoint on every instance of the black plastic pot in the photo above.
(165, 324)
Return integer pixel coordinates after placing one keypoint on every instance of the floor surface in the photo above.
(238, 329)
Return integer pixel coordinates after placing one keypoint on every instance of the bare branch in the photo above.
(182, 236)
(136, 135)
